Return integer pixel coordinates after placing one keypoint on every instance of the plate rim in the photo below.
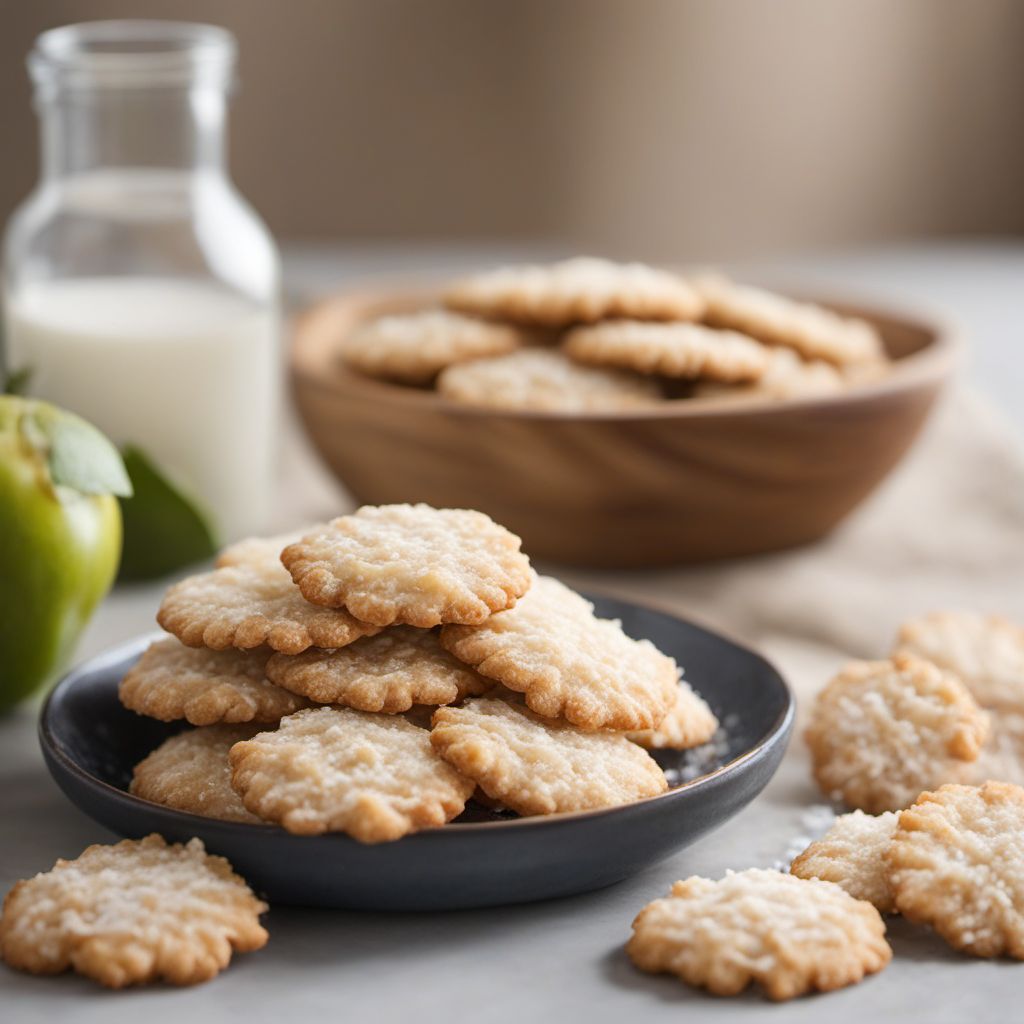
(777, 732)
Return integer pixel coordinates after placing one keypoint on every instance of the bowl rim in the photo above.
(777, 732)
(930, 366)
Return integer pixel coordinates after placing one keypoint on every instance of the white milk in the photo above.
(185, 371)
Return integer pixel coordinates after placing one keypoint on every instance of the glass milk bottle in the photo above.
(141, 290)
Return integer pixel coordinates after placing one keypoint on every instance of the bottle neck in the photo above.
(87, 130)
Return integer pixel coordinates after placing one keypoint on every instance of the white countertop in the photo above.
(562, 959)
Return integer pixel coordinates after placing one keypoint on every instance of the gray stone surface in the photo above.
(561, 960)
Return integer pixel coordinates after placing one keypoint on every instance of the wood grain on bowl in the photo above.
(681, 482)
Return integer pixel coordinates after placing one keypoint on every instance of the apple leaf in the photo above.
(164, 528)
(17, 381)
(77, 455)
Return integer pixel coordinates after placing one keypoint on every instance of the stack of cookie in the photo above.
(588, 335)
(372, 675)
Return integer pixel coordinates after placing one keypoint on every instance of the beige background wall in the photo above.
(665, 128)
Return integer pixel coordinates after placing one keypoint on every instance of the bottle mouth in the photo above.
(133, 54)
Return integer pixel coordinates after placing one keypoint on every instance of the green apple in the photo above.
(60, 537)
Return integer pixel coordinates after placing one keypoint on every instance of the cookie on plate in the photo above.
(985, 651)
(536, 766)
(689, 723)
(190, 772)
(580, 290)
(375, 777)
(852, 854)
(172, 681)
(415, 347)
(138, 911)
(814, 332)
(410, 564)
(881, 732)
(568, 663)
(956, 862)
(789, 935)
(390, 672)
(544, 380)
(687, 351)
(252, 605)
(787, 376)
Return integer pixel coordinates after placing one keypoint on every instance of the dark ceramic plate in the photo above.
(90, 743)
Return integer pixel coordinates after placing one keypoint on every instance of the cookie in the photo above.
(688, 723)
(687, 351)
(543, 380)
(172, 681)
(389, 672)
(956, 862)
(414, 348)
(787, 376)
(789, 935)
(581, 290)
(814, 332)
(869, 372)
(257, 550)
(190, 772)
(250, 605)
(851, 854)
(375, 777)
(536, 766)
(883, 731)
(410, 564)
(568, 663)
(138, 911)
(985, 651)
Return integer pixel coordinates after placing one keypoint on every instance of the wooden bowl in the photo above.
(681, 482)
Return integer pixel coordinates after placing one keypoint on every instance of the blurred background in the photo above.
(667, 129)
